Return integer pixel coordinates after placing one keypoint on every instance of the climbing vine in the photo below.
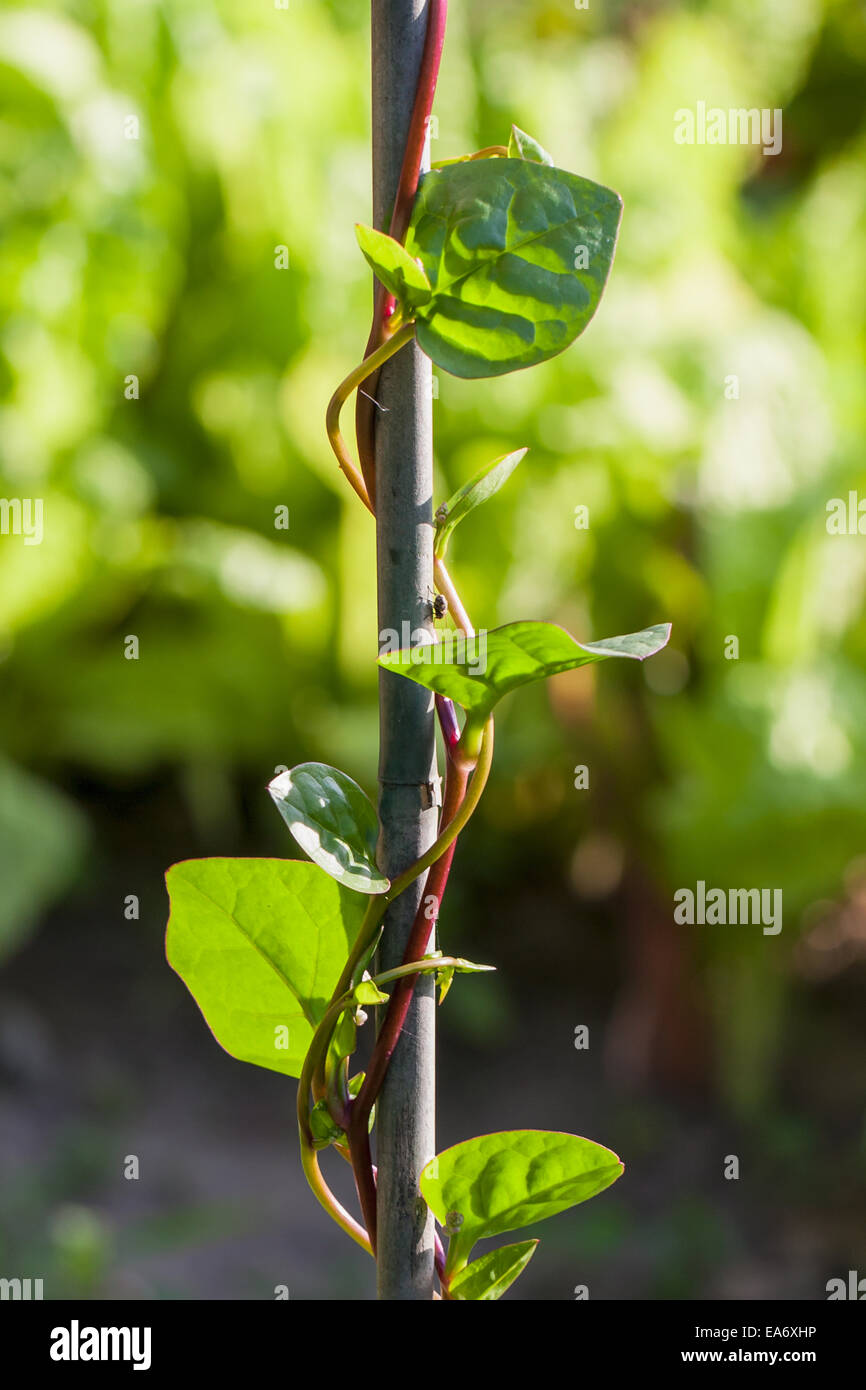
(492, 263)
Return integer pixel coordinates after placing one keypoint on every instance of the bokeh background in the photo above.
(154, 257)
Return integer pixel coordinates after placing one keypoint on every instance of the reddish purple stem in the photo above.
(410, 173)
(448, 721)
(383, 308)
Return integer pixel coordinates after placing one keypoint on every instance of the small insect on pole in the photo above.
(407, 753)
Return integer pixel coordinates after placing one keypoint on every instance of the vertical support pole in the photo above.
(404, 538)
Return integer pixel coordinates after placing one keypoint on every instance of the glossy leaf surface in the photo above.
(334, 821)
(477, 672)
(517, 255)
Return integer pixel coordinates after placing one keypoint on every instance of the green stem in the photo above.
(444, 583)
(321, 1190)
(363, 941)
(454, 826)
(309, 1157)
(315, 1059)
(417, 967)
(360, 373)
(313, 1071)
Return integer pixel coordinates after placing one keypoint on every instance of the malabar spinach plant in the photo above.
(492, 263)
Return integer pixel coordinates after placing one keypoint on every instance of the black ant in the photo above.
(439, 606)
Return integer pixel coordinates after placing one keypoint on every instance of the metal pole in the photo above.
(405, 1125)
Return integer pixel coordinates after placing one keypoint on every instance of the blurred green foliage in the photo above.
(150, 250)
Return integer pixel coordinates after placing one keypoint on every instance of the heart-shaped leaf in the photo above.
(334, 821)
(484, 484)
(260, 944)
(517, 254)
(500, 1182)
(393, 265)
(477, 672)
(487, 1278)
(522, 146)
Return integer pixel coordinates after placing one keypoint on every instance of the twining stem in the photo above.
(489, 152)
(465, 776)
(425, 91)
(449, 832)
(395, 1017)
(313, 1072)
(425, 921)
(455, 813)
(318, 1049)
(309, 1157)
(445, 585)
(314, 1062)
(407, 187)
(463, 789)
(321, 1190)
(363, 941)
(448, 721)
(424, 965)
(360, 373)
(458, 805)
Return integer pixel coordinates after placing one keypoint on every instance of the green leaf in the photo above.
(345, 1038)
(355, 1084)
(368, 992)
(477, 672)
(500, 1182)
(322, 1126)
(334, 821)
(522, 146)
(456, 966)
(260, 944)
(517, 254)
(487, 1278)
(445, 979)
(366, 957)
(394, 266)
(484, 484)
